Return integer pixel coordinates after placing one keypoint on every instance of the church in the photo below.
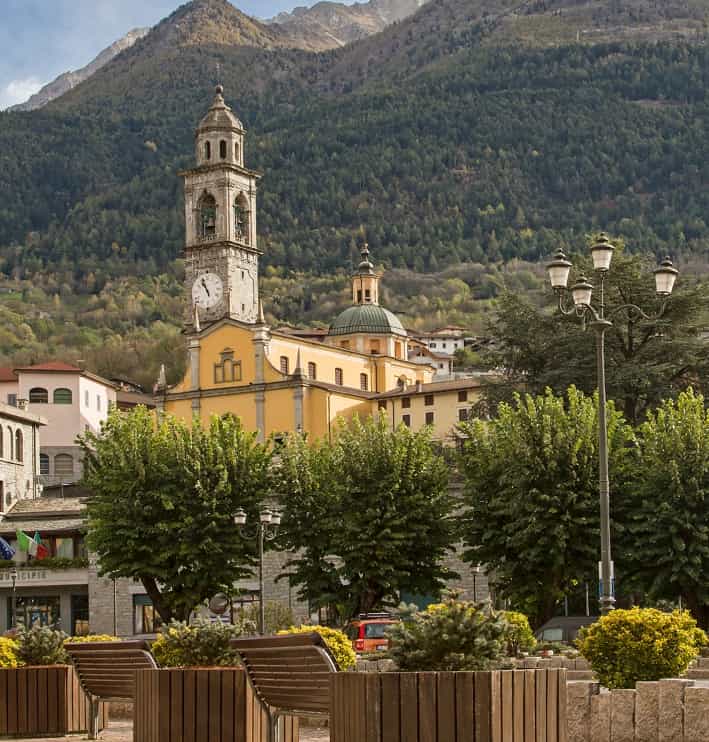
(281, 381)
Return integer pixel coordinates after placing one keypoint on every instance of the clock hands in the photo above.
(204, 286)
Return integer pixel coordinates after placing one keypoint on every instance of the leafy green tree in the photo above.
(531, 493)
(646, 361)
(667, 539)
(163, 500)
(370, 514)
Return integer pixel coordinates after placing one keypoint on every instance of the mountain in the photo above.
(455, 137)
(68, 80)
(337, 24)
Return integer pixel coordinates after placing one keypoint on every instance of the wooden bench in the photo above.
(106, 672)
(289, 674)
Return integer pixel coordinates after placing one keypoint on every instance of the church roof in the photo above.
(220, 116)
(367, 319)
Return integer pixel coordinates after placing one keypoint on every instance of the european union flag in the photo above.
(6, 551)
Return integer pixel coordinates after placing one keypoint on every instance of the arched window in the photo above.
(222, 149)
(207, 217)
(62, 396)
(10, 439)
(242, 219)
(43, 464)
(63, 465)
(2, 444)
(312, 371)
(39, 396)
(236, 151)
(19, 446)
(207, 151)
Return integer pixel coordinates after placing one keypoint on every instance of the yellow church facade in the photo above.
(275, 381)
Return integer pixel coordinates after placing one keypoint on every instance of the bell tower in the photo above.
(221, 251)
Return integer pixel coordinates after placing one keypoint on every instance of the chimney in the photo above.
(23, 404)
(419, 387)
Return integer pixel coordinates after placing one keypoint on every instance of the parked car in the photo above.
(563, 628)
(367, 632)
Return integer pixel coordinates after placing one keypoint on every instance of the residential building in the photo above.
(444, 340)
(19, 455)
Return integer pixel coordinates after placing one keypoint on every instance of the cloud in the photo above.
(18, 91)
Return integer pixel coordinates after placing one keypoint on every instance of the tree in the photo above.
(667, 539)
(531, 494)
(163, 501)
(370, 514)
(645, 361)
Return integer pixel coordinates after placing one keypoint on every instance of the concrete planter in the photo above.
(192, 705)
(36, 701)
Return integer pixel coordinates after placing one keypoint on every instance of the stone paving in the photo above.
(123, 732)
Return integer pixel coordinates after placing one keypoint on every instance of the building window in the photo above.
(345, 344)
(242, 219)
(19, 446)
(406, 419)
(207, 217)
(359, 296)
(227, 370)
(12, 400)
(284, 364)
(382, 404)
(62, 396)
(463, 415)
(367, 295)
(39, 395)
(363, 382)
(222, 149)
(98, 402)
(63, 465)
(10, 439)
(428, 400)
(397, 350)
(86, 398)
(338, 376)
(429, 418)
(374, 346)
(44, 464)
(236, 151)
(207, 151)
(146, 618)
(2, 449)
(431, 345)
(406, 402)
(463, 396)
(312, 371)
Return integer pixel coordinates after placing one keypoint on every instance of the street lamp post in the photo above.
(597, 318)
(269, 520)
(13, 578)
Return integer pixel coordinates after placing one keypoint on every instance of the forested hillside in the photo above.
(437, 141)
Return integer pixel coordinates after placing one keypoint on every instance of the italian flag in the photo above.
(33, 546)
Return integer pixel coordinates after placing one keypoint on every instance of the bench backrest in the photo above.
(107, 669)
(290, 673)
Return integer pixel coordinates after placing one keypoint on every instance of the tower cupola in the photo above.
(220, 135)
(365, 282)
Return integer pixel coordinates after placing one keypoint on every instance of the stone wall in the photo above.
(675, 710)
(101, 604)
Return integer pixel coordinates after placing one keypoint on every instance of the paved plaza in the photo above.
(122, 731)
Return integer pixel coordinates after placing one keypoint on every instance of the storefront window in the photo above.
(146, 619)
(65, 547)
(79, 615)
(33, 611)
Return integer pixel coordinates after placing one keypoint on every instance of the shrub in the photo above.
(277, 616)
(338, 643)
(202, 644)
(41, 645)
(8, 653)
(453, 635)
(640, 644)
(520, 637)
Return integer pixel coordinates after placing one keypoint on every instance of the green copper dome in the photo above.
(367, 319)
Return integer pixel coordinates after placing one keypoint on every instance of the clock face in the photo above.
(207, 290)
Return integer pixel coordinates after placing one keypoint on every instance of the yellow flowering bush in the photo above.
(8, 653)
(200, 644)
(339, 645)
(520, 637)
(91, 638)
(640, 644)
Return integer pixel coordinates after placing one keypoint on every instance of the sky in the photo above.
(40, 39)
